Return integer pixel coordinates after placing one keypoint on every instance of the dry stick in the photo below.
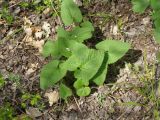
(77, 104)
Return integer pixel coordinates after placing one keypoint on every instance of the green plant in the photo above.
(148, 86)
(48, 2)
(39, 5)
(6, 112)
(71, 54)
(101, 98)
(14, 78)
(2, 81)
(35, 5)
(6, 14)
(30, 99)
(24, 4)
(141, 5)
(22, 117)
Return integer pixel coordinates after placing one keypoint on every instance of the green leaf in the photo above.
(80, 83)
(84, 91)
(65, 91)
(115, 49)
(24, 4)
(51, 74)
(82, 33)
(56, 49)
(80, 54)
(62, 33)
(156, 18)
(48, 3)
(155, 4)
(157, 24)
(87, 24)
(79, 33)
(50, 48)
(100, 77)
(71, 64)
(80, 50)
(90, 66)
(155, 15)
(140, 5)
(63, 47)
(70, 12)
(157, 35)
(158, 57)
(2, 81)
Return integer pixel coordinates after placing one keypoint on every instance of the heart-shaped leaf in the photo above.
(65, 91)
(71, 64)
(140, 5)
(50, 48)
(61, 33)
(155, 4)
(70, 12)
(116, 49)
(157, 35)
(82, 33)
(90, 66)
(100, 76)
(56, 49)
(51, 74)
(80, 83)
(80, 50)
(84, 91)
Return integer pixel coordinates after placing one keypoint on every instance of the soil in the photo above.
(105, 102)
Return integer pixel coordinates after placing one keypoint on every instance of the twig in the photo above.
(77, 105)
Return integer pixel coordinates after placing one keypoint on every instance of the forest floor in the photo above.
(127, 92)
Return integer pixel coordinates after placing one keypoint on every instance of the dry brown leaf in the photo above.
(39, 34)
(47, 28)
(39, 45)
(30, 71)
(27, 22)
(53, 97)
(72, 106)
(33, 112)
(78, 2)
(28, 30)
(46, 11)
(28, 39)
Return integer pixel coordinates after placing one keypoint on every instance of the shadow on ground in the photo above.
(131, 57)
